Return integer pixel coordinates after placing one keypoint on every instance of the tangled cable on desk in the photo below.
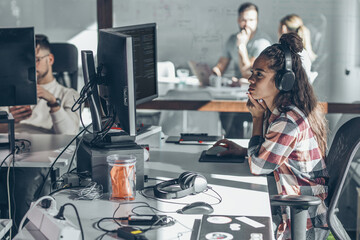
(90, 192)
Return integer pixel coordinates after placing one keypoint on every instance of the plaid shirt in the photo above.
(289, 150)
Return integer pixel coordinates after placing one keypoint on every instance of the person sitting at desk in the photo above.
(244, 46)
(293, 23)
(52, 114)
(241, 48)
(289, 133)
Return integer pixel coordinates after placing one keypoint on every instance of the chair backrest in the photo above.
(342, 151)
(166, 69)
(66, 62)
(175, 122)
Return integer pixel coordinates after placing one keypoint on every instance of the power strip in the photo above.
(50, 227)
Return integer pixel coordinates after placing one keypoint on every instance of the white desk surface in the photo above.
(43, 150)
(242, 193)
(221, 93)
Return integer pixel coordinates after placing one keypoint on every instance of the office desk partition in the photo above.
(242, 194)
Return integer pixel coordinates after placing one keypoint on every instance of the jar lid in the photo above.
(114, 159)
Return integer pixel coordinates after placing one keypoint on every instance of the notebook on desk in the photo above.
(193, 138)
(232, 227)
(202, 71)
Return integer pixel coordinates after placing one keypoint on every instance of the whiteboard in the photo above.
(198, 29)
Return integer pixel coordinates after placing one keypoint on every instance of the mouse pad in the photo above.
(234, 227)
(223, 159)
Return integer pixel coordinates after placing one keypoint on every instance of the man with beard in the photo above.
(242, 48)
(52, 114)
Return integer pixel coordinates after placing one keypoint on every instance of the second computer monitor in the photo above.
(117, 89)
(145, 59)
(17, 67)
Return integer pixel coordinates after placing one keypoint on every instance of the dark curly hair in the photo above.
(302, 94)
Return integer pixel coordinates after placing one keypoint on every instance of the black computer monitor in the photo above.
(117, 90)
(17, 67)
(145, 59)
(91, 83)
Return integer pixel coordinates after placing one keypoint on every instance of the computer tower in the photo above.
(93, 161)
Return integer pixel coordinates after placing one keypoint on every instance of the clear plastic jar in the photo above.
(122, 170)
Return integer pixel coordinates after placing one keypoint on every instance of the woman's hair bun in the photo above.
(293, 41)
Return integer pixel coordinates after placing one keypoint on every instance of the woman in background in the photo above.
(293, 23)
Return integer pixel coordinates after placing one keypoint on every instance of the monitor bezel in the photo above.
(129, 92)
(142, 26)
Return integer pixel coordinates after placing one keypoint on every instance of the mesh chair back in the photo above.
(66, 61)
(343, 149)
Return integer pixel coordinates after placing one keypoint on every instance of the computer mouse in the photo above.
(213, 151)
(197, 208)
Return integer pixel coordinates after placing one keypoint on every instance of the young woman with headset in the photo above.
(289, 131)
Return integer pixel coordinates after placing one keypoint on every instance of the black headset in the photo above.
(189, 182)
(285, 78)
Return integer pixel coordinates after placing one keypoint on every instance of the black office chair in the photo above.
(66, 61)
(342, 151)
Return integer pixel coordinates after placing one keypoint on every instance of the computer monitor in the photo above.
(145, 59)
(17, 67)
(90, 79)
(115, 58)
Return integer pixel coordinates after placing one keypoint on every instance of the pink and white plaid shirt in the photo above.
(289, 150)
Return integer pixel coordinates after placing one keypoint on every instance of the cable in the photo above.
(3, 161)
(13, 190)
(157, 199)
(219, 197)
(61, 189)
(73, 156)
(170, 223)
(90, 192)
(152, 208)
(109, 218)
(60, 216)
(32, 207)
(21, 146)
(120, 218)
(53, 164)
(8, 193)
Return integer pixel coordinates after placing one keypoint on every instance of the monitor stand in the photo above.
(111, 140)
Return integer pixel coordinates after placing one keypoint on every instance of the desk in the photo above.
(217, 93)
(242, 193)
(234, 106)
(31, 169)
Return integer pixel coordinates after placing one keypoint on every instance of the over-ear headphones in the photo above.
(285, 78)
(189, 182)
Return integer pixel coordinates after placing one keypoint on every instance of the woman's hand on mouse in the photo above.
(232, 148)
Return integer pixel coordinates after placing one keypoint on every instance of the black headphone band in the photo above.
(287, 53)
(160, 193)
(188, 182)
